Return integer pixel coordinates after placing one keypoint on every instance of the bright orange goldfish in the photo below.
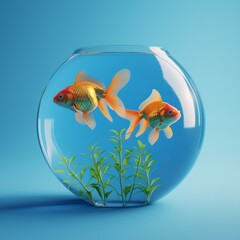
(86, 94)
(154, 113)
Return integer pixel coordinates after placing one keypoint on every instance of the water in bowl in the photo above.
(100, 165)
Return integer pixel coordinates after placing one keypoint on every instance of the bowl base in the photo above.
(119, 204)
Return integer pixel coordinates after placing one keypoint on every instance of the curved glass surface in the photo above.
(86, 139)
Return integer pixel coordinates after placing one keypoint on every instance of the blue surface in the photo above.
(36, 37)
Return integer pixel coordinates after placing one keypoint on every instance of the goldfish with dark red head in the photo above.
(153, 113)
(86, 94)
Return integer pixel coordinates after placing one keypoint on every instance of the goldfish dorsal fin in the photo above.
(155, 96)
(83, 77)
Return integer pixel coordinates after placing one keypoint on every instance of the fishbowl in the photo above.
(120, 126)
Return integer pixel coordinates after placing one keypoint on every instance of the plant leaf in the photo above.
(121, 131)
(100, 174)
(113, 140)
(80, 191)
(128, 152)
(154, 188)
(82, 173)
(106, 169)
(137, 161)
(94, 173)
(148, 157)
(144, 178)
(64, 159)
(115, 132)
(127, 189)
(140, 144)
(114, 157)
(75, 167)
(60, 170)
(117, 166)
(117, 149)
(91, 147)
(67, 181)
(71, 160)
(154, 180)
(74, 175)
(98, 188)
(101, 161)
(126, 161)
(89, 195)
(107, 193)
(150, 163)
(108, 181)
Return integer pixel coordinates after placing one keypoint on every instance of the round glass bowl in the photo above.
(120, 125)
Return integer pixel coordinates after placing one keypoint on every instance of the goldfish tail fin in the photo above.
(153, 136)
(104, 109)
(89, 120)
(120, 79)
(134, 118)
(168, 132)
(142, 128)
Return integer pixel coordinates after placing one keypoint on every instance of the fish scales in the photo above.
(86, 99)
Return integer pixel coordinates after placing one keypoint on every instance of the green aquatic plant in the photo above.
(133, 167)
(138, 154)
(147, 186)
(84, 192)
(98, 170)
(120, 158)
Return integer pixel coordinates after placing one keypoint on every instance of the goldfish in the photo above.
(153, 113)
(87, 93)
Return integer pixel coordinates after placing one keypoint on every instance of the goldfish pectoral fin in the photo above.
(168, 132)
(75, 108)
(153, 136)
(89, 120)
(134, 118)
(142, 128)
(120, 79)
(79, 117)
(104, 109)
(154, 96)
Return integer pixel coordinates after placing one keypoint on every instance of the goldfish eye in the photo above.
(170, 112)
(60, 96)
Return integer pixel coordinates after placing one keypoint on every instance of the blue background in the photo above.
(37, 36)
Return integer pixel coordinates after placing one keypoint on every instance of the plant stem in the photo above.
(148, 184)
(120, 172)
(100, 179)
(135, 176)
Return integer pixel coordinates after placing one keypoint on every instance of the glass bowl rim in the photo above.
(99, 49)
